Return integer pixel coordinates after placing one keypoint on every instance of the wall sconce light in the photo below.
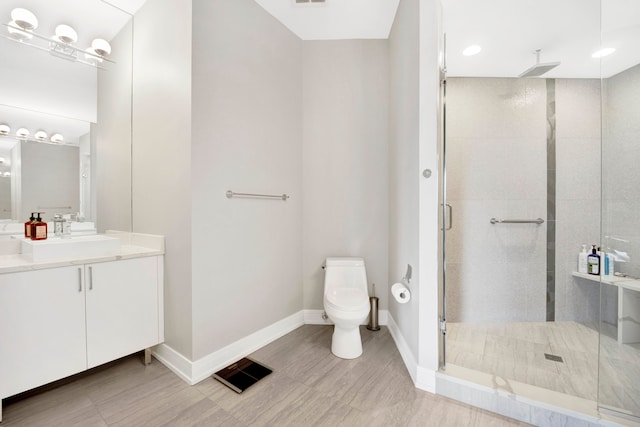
(24, 19)
(22, 133)
(40, 135)
(66, 34)
(57, 138)
(4, 129)
(62, 44)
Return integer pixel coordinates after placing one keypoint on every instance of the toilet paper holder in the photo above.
(407, 275)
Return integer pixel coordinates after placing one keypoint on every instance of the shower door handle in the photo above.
(448, 224)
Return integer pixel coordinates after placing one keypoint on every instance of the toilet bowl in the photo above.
(346, 302)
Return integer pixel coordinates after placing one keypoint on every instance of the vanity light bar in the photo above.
(23, 134)
(21, 29)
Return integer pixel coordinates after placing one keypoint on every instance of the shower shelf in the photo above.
(628, 304)
(623, 282)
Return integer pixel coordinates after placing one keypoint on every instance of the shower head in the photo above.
(540, 68)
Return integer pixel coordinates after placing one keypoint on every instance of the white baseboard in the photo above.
(176, 362)
(405, 352)
(314, 317)
(194, 372)
(423, 378)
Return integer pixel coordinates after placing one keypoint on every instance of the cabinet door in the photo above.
(122, 308)
(42, 327)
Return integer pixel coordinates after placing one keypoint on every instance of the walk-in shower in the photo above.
(538, 164)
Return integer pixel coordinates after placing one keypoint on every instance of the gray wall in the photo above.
(497, 167)
(161, 152)
(404, 145)
(112, 148)
(345, 168)
(247, 137)
(577, 194)
(621, 153)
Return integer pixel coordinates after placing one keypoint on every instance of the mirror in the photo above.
(53, 86)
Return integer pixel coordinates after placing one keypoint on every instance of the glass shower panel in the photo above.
(619, 362)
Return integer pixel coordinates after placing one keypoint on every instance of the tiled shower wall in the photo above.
(497, 166)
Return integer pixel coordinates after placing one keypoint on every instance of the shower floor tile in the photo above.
(516, 351)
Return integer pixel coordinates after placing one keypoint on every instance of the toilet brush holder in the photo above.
(373, 315)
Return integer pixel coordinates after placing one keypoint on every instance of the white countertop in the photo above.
(133, 245)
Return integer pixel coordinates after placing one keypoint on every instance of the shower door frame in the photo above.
(446, 221)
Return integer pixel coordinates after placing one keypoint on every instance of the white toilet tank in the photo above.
(343, 272)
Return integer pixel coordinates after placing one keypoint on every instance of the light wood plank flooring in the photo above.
(309, 386)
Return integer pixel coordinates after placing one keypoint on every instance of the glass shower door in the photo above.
(619, 363)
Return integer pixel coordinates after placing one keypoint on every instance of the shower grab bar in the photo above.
(231, 194)
(516, 221)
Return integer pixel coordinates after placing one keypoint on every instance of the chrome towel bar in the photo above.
(231, 194)
(516, 221)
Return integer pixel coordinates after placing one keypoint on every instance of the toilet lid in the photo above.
(350, 299)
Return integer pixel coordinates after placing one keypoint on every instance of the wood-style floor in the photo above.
(309, 386)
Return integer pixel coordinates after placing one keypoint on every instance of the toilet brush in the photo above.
(373, 314)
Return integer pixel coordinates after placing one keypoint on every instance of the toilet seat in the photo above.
(348, 299)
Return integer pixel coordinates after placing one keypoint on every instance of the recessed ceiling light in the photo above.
(603, 52)
(474, 49)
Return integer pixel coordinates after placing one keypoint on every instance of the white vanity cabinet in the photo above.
(42, 327)
(122, 308)
(55, 322)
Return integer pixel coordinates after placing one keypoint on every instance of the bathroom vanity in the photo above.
(60, 316)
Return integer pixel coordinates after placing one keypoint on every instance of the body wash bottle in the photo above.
(593, 261)
(27, 226)
(38, 229)
(582, 260)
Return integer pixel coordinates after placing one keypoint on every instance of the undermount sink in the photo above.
(75, 247)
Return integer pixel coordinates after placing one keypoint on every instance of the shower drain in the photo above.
(553, 357)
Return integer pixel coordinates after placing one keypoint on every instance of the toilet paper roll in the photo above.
(401, 293)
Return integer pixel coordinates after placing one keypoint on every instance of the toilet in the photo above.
(346, 302)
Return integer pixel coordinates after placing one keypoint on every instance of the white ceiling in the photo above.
(568, 31)
(335, 19)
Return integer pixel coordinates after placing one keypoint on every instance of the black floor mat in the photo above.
(241, 375)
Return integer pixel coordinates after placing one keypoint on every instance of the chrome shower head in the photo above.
(539, 68)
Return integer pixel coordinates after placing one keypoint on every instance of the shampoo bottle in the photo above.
(27, 226)
(38, 229)
(593, 261)
(582, 260)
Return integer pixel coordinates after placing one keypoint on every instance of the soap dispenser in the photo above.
(593, 261)
(27, 226)
(582, 261)
(38, 229)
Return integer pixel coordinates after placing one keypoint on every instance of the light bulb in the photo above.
(101, 47)
(40, 135)
(22, 133)
(4, 129)
(24, 19)
(57, 138)
(7, 174)
(66, 34)
(18, 33)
